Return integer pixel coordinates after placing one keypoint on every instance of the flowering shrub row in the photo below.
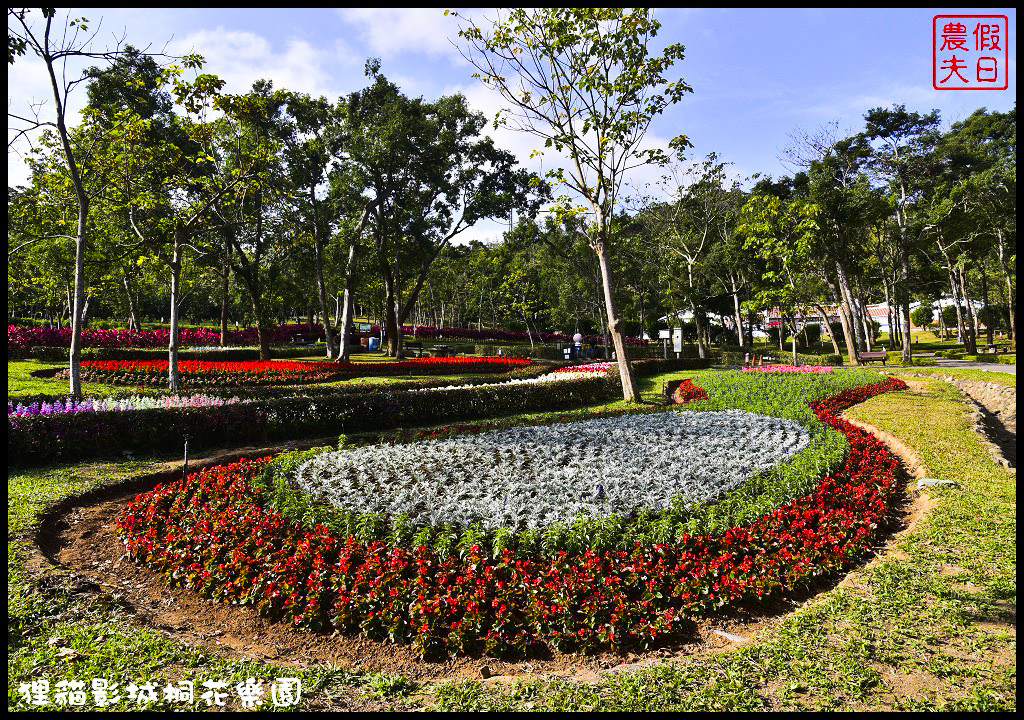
(211, 532)
(570, 372)
(275, 372)
(598, 368)
(271, 392)
(21, 339)
(426, 331)
(32, 440)
(134, 402)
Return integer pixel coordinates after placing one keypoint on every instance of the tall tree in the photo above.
(898, 158)
(153, 162)
(423, 174)
(56, 47)
(583, 80)
(699, 216)
(313, 122)
(249, 188)
(837, 185)
(782, 235)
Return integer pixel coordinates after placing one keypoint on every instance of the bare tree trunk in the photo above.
(903, 300)
(701, 350)
(345, 341)
(630, 393)
(863, 319)
(133, 321)
(344, 351)
(848, 308)
(1011, 296)
(889, 317)
(741, 338)
(261, 322)
(844, 318)
(827, 325)
(985, 306)
(225, 287)
(321, 287)
(972, 323)
(173, 376)
(961, 324)
(78, 313)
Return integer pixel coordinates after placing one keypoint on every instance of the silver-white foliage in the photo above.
(530, 477)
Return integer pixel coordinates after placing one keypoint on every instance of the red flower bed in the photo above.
(210, 532)
(201, 372)
(686, 392)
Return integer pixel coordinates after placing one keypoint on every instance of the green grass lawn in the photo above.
(929, 624)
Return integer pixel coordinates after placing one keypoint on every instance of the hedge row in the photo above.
(271, 392)
(960, 354)
(41, 439)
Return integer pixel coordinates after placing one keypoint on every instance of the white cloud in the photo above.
(241, 58)
(394, 31)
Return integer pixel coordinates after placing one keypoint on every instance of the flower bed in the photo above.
(21, 339)
(134, 402)
(685, 392)
(214, 532)
(599, 368)
(800, 369)
(533, 477)
(275, 372)
(64, 437)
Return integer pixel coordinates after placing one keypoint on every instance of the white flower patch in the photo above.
(531, 477)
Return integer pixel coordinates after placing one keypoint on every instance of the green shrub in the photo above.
(50, 353)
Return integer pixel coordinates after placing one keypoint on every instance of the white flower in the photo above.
(532, 476)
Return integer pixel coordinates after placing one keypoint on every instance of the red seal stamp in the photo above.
(970, 52)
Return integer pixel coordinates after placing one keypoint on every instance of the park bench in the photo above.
(757, 360)
(867, 357)
(416, 348)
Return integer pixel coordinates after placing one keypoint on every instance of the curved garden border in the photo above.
(209, 532)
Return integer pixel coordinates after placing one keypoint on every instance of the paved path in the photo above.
(990, 367)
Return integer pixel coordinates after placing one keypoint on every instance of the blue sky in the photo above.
(758, 75)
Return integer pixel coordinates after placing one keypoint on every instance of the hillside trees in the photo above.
(977, 190)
